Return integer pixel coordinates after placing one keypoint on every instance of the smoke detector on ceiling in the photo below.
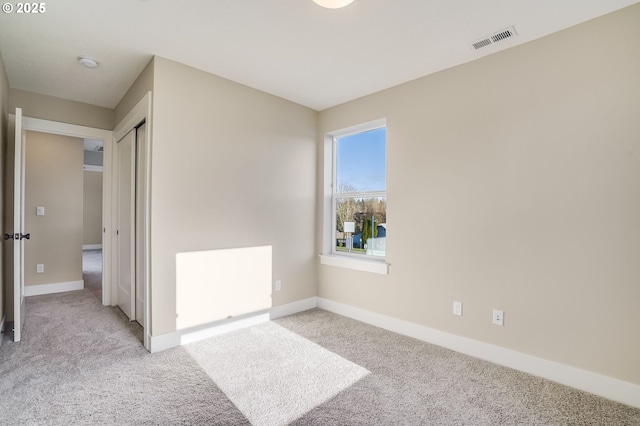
(333, 4)
(495, 37)
(88, 62)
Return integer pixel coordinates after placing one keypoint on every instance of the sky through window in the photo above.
(361, 161)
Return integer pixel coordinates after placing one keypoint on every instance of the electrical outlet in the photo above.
(457, 308)
(278, 285)
(40, 268)
(498, 317)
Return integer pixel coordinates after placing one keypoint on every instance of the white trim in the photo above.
(359, 128)
(294, 307)
(330, 197)
(350, 262)
(328, 203)
(58, 128)
(164, 342)
(91, 246)
(36, 290)
(194, 334)
(55, 127)
(598, 384)
(198, 335)
(92, 168)
(138, 114)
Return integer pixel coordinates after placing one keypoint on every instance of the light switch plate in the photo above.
(39, 211)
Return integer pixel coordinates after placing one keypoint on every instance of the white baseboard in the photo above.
(91, 246)
(36, 290)
(194, 334)
(605, 386)
(294, 307)
(92, 168)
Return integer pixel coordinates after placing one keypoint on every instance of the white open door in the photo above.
(18, 227)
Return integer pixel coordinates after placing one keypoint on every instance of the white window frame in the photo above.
(330, 256)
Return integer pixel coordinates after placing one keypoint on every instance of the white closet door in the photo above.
(126, 223)
(140, 215)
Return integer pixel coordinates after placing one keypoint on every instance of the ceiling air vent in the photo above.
(495, 37)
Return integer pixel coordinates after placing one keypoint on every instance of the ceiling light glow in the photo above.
(333, 4)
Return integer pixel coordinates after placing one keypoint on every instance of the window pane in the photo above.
(361, 225)
(361, 162)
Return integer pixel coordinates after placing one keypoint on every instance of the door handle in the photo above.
(17, 236)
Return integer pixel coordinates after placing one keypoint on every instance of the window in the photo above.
(359, 193)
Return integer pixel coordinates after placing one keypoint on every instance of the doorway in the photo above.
(140, 114)
(54, 213)
(16, 204)
(92, 212)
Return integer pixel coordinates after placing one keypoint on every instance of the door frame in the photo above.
(59, 128)
(138, 114)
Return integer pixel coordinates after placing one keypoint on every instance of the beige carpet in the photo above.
(82, 363)
(273, 375)
(92, 271)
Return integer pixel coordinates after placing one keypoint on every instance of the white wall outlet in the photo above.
(498, 317)
(39, 211)
(40, 268)
(457, 308)
(278, 285)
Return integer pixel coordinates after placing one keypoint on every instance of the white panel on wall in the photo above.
(218, 284)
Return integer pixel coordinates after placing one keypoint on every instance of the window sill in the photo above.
(366, 265)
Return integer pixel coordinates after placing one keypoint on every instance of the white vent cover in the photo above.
(93, 145)
(495, 37)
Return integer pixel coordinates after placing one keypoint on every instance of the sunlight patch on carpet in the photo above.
(273, 375)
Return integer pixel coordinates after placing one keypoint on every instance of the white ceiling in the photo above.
(291, 48)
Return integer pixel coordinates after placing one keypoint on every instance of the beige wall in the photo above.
(55, 109)
(4, 101)
(53, 180)
(231, 167)
(513, 183)
(139, 88)
(92, 208)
